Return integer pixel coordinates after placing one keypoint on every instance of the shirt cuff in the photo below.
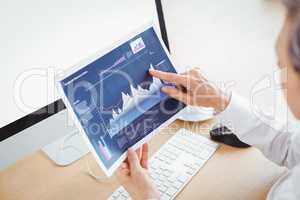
(238, 116)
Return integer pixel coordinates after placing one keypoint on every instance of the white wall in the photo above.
(230, 40)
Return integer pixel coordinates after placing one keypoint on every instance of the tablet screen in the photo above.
(116, 101)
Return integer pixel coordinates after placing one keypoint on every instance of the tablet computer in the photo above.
(114, 101)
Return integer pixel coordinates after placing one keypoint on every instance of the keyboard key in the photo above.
(177, 184)
(204, 154)
(123, 197)
(162, 188)
(167, 173)
(182, 178)
(190, 172)
(165, 197)
(171, 191)
(115, 195)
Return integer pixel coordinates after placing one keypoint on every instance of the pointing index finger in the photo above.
(170, 77)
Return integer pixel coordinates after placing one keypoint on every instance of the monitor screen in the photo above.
(41, 39)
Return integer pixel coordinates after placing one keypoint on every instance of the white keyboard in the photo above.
(175, 164)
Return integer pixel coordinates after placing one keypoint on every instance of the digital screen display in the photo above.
(115, 99)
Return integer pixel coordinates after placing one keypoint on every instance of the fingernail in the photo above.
(164, 89)
(123, 165)
(151, 70)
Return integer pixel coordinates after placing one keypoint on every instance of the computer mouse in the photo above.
(224, 135)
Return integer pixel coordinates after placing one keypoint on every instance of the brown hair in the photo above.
(293, 12)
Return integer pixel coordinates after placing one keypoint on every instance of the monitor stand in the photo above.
(67, 149)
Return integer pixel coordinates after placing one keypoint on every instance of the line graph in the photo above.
(134, 103)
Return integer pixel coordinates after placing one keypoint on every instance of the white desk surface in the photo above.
(231, 174)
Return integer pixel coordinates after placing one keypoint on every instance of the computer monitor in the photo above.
(42, 39)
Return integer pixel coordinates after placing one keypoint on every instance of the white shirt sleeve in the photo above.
(272, 138)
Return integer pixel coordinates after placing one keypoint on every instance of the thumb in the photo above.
(133, 160)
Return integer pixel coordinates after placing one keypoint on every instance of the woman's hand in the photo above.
(133, 175)
(193, 89)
